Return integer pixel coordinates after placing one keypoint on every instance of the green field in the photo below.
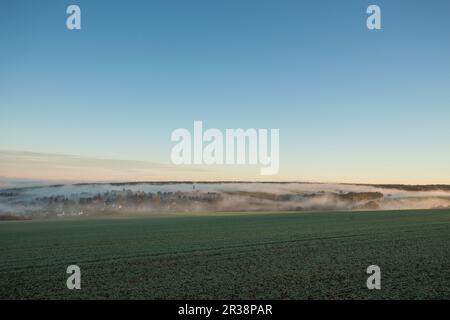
(230, 256)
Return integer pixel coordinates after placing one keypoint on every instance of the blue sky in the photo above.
(351, 104)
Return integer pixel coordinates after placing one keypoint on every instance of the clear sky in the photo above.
(352, 105)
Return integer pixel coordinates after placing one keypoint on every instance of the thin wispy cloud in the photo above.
(23, 165)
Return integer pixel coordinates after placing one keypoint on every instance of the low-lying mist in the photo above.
(152, 198)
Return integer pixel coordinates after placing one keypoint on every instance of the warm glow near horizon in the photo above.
(75, 169)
